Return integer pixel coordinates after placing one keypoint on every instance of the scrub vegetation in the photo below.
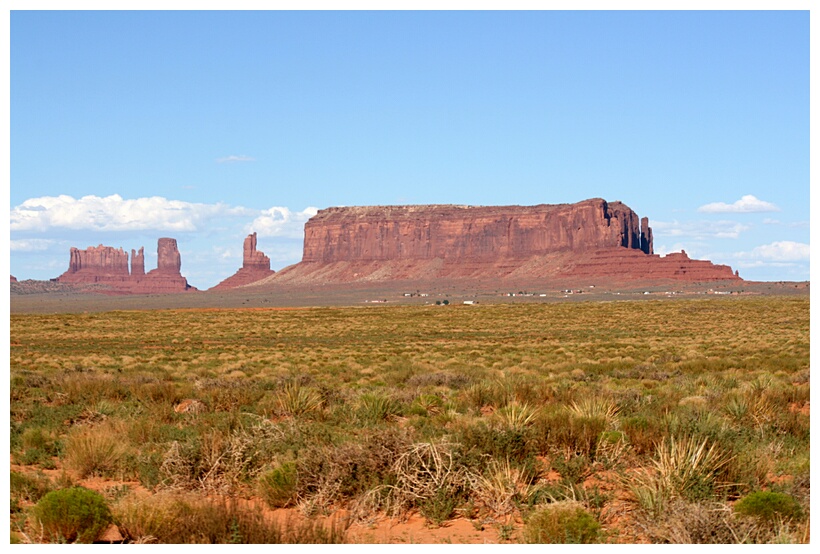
(673, 421)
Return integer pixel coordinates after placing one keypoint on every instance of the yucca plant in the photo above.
(430, 403)
(737, 408)
(689, 467)
(377, 407)
(503, 487)
(295, 400)
(516, 416)
(596, 407)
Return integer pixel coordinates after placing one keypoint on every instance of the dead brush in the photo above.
(422, 473)
(218, 463)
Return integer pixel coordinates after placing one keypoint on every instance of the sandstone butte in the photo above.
(255, 266)
(593, 238)
(109, 266)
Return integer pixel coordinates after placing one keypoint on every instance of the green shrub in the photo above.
(562, 523)
(72, 515)
(440, 507)
(768, 506)
(482, 441)
(278, 486)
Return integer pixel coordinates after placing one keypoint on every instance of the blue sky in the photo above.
(204, 126)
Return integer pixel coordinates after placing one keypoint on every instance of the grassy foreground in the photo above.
(587, 422)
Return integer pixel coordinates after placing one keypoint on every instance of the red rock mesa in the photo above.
(589, 238)
(255, 266)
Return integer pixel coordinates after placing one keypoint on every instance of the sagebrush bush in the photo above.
(562, 523)
(768, 506)
(72, 515)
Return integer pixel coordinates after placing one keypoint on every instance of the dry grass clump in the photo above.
(95, 451)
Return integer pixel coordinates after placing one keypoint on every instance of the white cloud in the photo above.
(794, 224)
(779, 251)
(30, 245)
(113, 213)
(699, 230)
(747, 204)
(281, 222)
(234, 159)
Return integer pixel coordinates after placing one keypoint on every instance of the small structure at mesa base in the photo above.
(107, 265)
(255, 266)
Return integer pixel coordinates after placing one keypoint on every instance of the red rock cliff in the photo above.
(465, 232)
(590, 238)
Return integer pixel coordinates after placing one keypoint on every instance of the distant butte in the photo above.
(255, 266)
(586, 239)
(108, 266)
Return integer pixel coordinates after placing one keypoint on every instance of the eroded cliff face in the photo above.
(255, 266)
(381, 233)
(590, 238)
(109, 266)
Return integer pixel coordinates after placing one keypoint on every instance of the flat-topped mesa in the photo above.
(109, 266)
(448, 232)
(255, 266)
(592, 238)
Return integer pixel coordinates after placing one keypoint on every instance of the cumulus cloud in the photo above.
(113, 213)
(234, 159)
(698, 230)
(779, 251)
(747, 204)
(281, 222)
